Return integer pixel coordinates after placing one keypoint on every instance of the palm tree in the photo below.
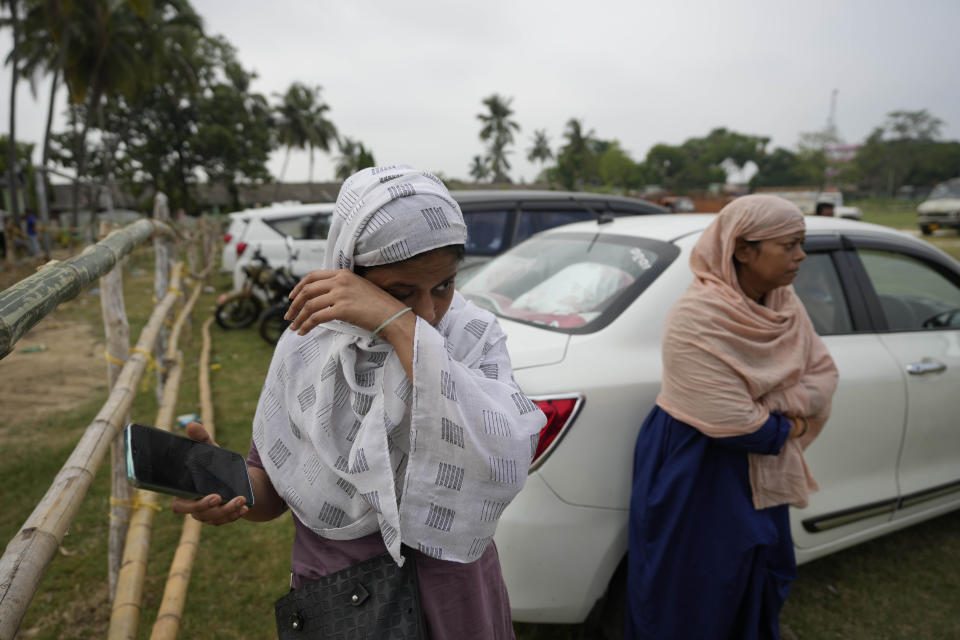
(14, 59)
(575, 158)
(44, 47)
(578, 142)
(498, 129)
(116, 49)
(353, 157)
(302, 123)
(540, 150)
(480, 168)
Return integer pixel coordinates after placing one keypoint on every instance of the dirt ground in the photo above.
(36, 384)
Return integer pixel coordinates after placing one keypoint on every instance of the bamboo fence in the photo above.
(125, 615)
(24, 304)
(32, 549)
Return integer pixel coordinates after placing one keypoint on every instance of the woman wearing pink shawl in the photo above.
(747, 385)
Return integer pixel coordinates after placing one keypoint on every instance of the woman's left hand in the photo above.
(323, 296)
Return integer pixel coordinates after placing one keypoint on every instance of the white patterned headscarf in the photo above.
(351, 444)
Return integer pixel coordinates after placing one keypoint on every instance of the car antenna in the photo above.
(602, 218)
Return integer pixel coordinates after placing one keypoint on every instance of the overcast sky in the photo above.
(407, 78)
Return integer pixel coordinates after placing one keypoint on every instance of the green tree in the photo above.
(302, 123)
(576, 160)
(234, 132)
(700, 162)
(616, 168)
(539, 150)
(13, 171)
(899, 152)
(498, 130)
(480, 168)
(353, 157)
(784, 168)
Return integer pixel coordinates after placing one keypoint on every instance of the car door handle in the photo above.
(925, 366)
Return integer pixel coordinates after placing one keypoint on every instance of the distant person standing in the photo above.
(825, 209)
(32, 240)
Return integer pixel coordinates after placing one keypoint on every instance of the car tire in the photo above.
(608, 617)
(238, 313)
(926, 230)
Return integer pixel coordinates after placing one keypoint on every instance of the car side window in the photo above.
(818, 287)
(914, 296)
(485, 231)
(318, 227)
(296, 227)
(532, 222)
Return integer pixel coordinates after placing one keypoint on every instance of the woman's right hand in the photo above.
(208, 508)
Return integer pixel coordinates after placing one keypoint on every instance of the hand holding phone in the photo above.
(212, 482)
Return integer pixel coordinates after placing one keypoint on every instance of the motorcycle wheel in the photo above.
(238, 313)
(272, 323)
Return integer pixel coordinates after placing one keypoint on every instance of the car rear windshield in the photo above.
(571, 282)
(309, 226)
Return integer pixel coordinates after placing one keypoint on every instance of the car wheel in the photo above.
(607, 619)
(926, 230)
(238, 313)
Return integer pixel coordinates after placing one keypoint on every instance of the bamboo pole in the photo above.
(162, 248)
(30, 551)
(125, 615)
(117, 334)
(167, 625)
(24, 304)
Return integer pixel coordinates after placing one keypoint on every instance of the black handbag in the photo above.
(374, 599)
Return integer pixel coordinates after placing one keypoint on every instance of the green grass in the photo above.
(901, 214)
(906, 585)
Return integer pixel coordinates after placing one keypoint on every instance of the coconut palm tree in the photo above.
(43, 55)
(353, 157)
(540, 149)
(479, 168)
(498, 130)
(302, 123)
(13, 179)
(117, 49)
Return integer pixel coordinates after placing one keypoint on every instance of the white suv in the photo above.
(266, 229)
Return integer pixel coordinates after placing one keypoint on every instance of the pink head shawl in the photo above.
(729, 361)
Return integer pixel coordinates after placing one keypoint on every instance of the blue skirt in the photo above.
(703, 562)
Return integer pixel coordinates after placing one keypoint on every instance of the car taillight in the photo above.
(241, 247)
(227, 238)
(560, 413)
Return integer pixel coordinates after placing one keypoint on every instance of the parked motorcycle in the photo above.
(241, 309)
(282, 281)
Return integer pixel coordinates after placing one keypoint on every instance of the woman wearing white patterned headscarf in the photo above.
(389, 414)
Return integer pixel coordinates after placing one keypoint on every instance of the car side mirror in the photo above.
(288, 240)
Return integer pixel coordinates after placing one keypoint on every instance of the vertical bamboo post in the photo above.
(117, 333)
(167, 625)
(161, 277)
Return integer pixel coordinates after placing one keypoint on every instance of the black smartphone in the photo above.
(161, 461)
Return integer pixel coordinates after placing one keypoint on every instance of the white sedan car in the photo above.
(583, 307)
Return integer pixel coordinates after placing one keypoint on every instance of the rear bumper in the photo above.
(557, 558)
